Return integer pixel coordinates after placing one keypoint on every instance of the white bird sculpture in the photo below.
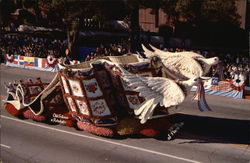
(177, 67)
(157, 90)
(205, 63)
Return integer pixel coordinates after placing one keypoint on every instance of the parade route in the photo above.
(218, 136)
(98, 139)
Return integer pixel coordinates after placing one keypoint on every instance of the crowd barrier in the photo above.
(233, 88)
(43, 64)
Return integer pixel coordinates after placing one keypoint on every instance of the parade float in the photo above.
(116, 95)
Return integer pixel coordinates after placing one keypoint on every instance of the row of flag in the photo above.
(34, 61)
(30, 61)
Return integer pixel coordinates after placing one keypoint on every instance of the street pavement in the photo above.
(219, 136)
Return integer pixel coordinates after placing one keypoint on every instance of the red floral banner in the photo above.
(51, 61)
(9, 58)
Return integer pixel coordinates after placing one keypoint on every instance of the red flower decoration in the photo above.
(51, 61)
(91, 87)
(9, 58)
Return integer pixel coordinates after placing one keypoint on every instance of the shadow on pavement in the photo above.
(212, 130)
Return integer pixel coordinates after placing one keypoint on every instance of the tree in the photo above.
(73, 11)
(220, 10)
(168, 7)
(67, 13)
(215, 20)
(6, 8)
(188, 10)
(133, 17)
(196, 11)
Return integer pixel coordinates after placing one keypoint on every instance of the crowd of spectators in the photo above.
(31, 46)
(231, 64)
(114, 49)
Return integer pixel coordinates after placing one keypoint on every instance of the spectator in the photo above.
(32, 46)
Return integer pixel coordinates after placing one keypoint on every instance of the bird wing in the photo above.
(183, 66)
(147, 52)
(185, 53)
(191, 54)
(155, 90)
(160, 52)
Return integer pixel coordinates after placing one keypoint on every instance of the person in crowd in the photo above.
(67, 58)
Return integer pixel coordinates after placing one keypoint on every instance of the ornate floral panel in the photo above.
(83, 107)
(65, 86)
(133, 101)
(99, 108)
(92, 88)
(76, 88)
(71, 104)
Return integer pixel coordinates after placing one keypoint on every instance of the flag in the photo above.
(16, 59)
(29, 61)
(41, 62)
(20, 60)
(36, 62)
(215, 81)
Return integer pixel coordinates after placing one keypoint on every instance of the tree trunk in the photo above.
(134, 28)
(72, 34)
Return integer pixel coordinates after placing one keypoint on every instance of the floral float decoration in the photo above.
(51, 61)
(107, 98)
(9, 58)
(237, 83)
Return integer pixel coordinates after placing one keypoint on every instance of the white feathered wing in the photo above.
(147, 52)
(183, 67)
(162, 53)
(155, 90)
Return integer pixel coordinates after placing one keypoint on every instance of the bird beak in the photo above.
(205, 78)
(212, 61)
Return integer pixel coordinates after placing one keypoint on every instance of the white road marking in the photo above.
(5, 146)
(103, 140)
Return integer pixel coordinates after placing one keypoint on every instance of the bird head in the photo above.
(206, 63)
(193, 81)
(155, 61)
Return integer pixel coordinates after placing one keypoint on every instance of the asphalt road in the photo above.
(219, 136)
